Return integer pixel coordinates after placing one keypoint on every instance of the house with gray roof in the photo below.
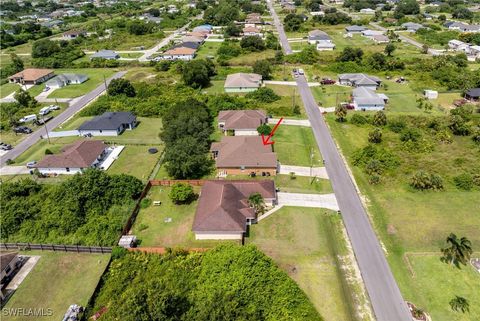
(355, 29)
(108, 124)
(367, 99)
(105, 54)
(66, 79)
(242, 82)
(315, 36)
(359, 80)
(412, 26)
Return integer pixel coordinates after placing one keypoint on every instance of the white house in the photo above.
(108, 124)
(325, 45)
(457, 45)
(430, 94)
(367, 99)
(66, 79)
(367, 11)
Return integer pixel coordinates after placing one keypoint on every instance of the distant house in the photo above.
(412, 26)
(355, 29)
(457, 45)
(244, 155)
(195, 39)
(223, 211)
(251, 31)
(73, 34)
(430, 94)
(315, 36)
(359, 80)
(253, 18)
(179, 53)
(66, 79)
(105, 54)
(150, 18)
(197, 34)
(462, 27)
(187, 44)
(242, 82)
(367, 11)
(31, 76)
(473, 94)
(380, 39)
(205, 29)
(52, 23)
(474, 52)
(324, 45)
(109, 124)
(317, 13)
(241, 122)
(74, 158)
(367, 99)
(370, 33)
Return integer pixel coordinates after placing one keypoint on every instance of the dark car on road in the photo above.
(43, 120)
(327, 81)
(22, 130)
(4, 146)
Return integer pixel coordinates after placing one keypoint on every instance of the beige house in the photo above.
(223, 211)
(31, 76)
(244, 155)
(241, 122)
(242, 82)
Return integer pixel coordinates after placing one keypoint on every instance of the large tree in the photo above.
(264, 68)
(196, 73)
(458, 252)
(121, 86)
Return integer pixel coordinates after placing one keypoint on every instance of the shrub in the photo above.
(121, 86)
(292, 175)
(118, 252)
(371, 152)
(146, 202)
(476, 136)
(264, 129)
(464, 181)
(379, 119)
(410, 135)
(181, 193)
(424, 181)
(397, 125)
(375, 136)
(374, 179)
(358, 119)
(263, 95)
(48, 152)
(476, 180)
(374, 167)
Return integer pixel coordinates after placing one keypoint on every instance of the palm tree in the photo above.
(458, 252)
(256, 201)
(460, 304)
(341, 113)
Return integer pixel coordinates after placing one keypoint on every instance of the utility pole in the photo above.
(105, 82)
(293, 98)
(46, 130)
(311, 161)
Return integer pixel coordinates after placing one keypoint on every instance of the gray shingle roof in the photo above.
(108, 121)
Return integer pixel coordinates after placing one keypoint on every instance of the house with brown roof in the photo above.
(31, 76)
(244, 155)
(74, 158)
(242, 82)
(73, 34)
(241, 122)
(223, 212)
(252, 31)
(253, 18)
(179, 53)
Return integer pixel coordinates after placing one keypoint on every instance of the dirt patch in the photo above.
(391, 230)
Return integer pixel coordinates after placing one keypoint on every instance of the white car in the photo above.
(54, 107)
(301, 72)
(44, 111)
(31, 164)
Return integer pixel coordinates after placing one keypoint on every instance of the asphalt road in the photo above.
(281, 31)
(385, 296)
(56, 121)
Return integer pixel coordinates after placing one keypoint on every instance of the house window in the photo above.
(242, 167)
(67, 169)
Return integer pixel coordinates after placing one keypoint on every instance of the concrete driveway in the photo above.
(320, 172)
(14, 170)
(292, 122)
(308, 200)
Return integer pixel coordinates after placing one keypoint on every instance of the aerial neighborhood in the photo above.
(240, 160)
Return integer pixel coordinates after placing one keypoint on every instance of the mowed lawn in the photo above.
(57, 281)
(302, 184)
(300, 241)
(294, 145)
(96, 77)
(135, 160)
(150, 226)
(7, 89)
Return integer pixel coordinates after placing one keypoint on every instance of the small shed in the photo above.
(127, 241)
(430, 94)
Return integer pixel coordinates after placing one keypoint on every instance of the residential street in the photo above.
(55, 122)
(279, 26)
(385, 296)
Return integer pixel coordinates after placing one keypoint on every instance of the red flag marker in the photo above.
(266, 141)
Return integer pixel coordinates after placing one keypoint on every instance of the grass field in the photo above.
(7, 89)
(250, 58)
(208, 49)
(294, 146)
(136, 161)
(412, 221)
(96, 76)
(300, 241)
(57, 281)
(131, 55)
(151, 229)
(301, 184)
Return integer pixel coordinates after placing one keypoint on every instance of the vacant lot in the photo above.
(7, 89)
(301, 241)
(296, 145)
(57, 281)
(96, 76)
(301, 184)
(136, 161)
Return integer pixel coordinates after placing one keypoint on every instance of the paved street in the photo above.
(14, 170)
(385, 296)
(279, 26)
(55, 122)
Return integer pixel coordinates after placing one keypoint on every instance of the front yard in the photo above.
(57, 281)
(295, 145)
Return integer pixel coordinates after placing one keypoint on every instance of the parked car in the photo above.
(301, 72)
(4, 146)
(22, 130)
(43, 120)
(46, 88)
(44, 111)
(54, 107)
(327, 81)
(28, 118)
(31, 164)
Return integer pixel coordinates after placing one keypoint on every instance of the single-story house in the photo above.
(237, 155)
(109, 124)
(73, 34)
(370, 33)
(196, 39)
(242, 82)
(355, 29)
(317, 13)
(367, 99)
(223, 211)
(205, 29)
(315, 36)
(66, 79)
(412, 26)
(359, 80)
(473, 94)
(241, 122)
(8, 264)
(251, 31)
(74, 158)
(462, 27)
(325, 45)
(105, 54)
(474, 52)
(380, 39)
(457, 45)
(179, 53)
(31, 76)
(196, 34)
(187, 44)
(253, 18)
(150, 18)
(430, 94)
(367, 11)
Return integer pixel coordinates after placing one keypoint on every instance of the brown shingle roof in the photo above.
(243, 80)
(80, 154)
(223, 205)
(247, 151)
(251, 29)
(180, 51)
(242, 119)
(31, 74)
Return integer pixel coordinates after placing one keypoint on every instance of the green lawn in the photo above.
(57, 281)
(7, 89)
(302, 184)
(331, 95)
(96, 76)
(151, 229)
(136, 161)
(131, 55)
(208, 49)
(294, 146)
(250, 58)
(37, 152)
(300, 240)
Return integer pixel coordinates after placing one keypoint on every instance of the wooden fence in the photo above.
(136, 209)
(56, 247)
